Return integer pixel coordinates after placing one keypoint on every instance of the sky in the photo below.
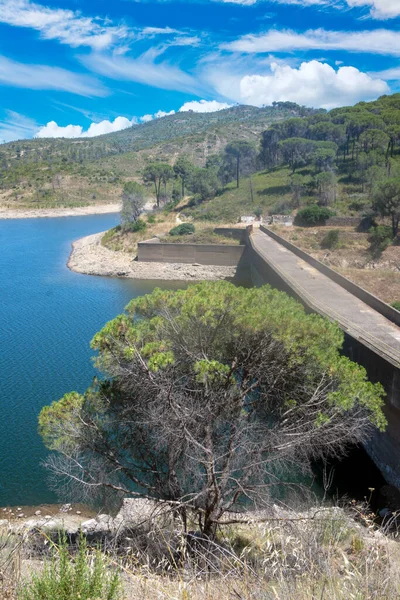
(73, 68)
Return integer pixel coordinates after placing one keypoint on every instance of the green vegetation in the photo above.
(396, 305)
(380, 238)
(60, 172)
(85, 576)
(312, 215)
(226, 392)
(132, 206)
(331, 240)
(183, 229)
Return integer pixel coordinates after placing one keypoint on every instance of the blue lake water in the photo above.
(48, 315)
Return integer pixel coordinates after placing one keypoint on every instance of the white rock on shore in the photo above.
(79, 211)
(90, 257)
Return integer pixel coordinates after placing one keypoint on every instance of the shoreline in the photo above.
(40, 213)
(89, 257)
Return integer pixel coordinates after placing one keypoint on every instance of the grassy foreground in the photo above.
(321, 555)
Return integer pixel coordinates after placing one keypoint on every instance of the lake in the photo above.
(48, 315)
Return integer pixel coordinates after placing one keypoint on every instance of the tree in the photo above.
(324, 155)
(240, 159)
(216, 396)
(326, 183)
(204, 183)
(386, 196)
(132, 203)
(158, 173)
(297, 186)
(183, 169)
(297, 151)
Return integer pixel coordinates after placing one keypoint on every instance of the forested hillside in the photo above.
(53, 172)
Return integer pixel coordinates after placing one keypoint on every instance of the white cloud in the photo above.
(204, 106)
(52, 130)
(380, 9)
(66, 26)
(313, 84)
(151, 31)
(389, 74)
(42, 77)
(143, 69)
(377, 41)
(158, 115)
(16, 127)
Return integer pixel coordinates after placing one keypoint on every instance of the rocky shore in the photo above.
(90, 257)
(78, 211)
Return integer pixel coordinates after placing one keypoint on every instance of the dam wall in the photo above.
(383, 448)
(204, 254)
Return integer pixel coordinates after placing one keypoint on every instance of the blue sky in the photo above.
(71, 68)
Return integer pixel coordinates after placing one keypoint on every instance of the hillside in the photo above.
(61, 172)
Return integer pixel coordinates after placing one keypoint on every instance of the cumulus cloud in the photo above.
(377, 41)
(204, 106)
(158, 115)
(66, 26)
(313, 84)
(52, 130)
(42, 77)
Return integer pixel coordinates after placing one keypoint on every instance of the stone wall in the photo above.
(204, 254)
(343, 222)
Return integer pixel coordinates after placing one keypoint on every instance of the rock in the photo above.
(89, 526)
(78, 512)
(65, 508)
(48, 517)
(20, 515)
(19, 509)
(38, 512)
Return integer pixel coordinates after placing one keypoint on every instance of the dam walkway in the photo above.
(330, 299)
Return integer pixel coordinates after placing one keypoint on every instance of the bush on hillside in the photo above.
(380, 238)
(331, 240)
(312, 215)
(183, 229)
(396, 305)
(139, 225)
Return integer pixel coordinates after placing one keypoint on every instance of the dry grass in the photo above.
(352, 258)
(323, 555)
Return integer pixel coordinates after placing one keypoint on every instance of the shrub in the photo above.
(313, 215)
(65, 578)
(331, 240)
(396, 305)
(151, 218)
(139, 225)
(183, 229)
(258, 212)
(380, 238)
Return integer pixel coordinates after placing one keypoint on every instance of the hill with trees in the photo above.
(65, 172)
